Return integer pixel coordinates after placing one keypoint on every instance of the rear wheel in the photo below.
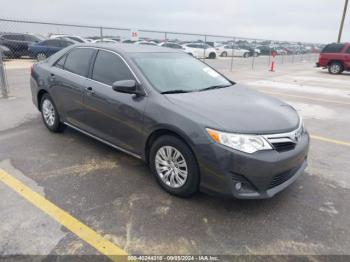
(41, 56)
(212, 56)
(174, 166)
(245, 55)
(335, 68)
(224, 54)
(50, 115)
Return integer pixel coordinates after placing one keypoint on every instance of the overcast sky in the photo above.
(293, 20)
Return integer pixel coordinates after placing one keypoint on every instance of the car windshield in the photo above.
(171, 72)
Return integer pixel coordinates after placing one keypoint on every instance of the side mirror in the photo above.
(127, 87)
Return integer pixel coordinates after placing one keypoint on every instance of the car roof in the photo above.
(129, 48)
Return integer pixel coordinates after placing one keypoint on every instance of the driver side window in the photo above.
(109, 67)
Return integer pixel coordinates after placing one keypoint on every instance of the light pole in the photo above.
(342, 21)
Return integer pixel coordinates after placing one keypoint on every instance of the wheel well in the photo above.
(161, 132)
(40, 95)
(332, 61)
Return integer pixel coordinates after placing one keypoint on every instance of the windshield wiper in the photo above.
(214, 87)
(175, 91)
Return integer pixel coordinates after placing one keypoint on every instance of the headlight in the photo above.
(244, 143)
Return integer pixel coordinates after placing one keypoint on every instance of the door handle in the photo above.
(89, 90)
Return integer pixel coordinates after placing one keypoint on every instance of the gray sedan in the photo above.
(196, 129)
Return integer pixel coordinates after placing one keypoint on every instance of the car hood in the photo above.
(238, 109)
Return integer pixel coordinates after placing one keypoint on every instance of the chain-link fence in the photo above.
(38, 40)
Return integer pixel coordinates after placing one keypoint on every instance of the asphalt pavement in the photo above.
(116, 197)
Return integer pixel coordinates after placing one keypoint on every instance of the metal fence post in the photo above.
(101, 33)
(205, 43)
(233, 40)
(165, 37)
(3, 82)
(253, 60)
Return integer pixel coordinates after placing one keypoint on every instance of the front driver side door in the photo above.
(110, 115)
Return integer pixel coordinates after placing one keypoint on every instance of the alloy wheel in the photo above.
(48, 112)
(41, 56)
(171, 166)
(335, 68)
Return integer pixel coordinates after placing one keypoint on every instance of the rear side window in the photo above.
(172, 45)
(333, 48)
(14, 37)
(109, 68)
(78, 61)
(52, 43)
(31, 38)
(65, 43)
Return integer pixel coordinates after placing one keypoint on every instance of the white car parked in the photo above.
(231, 50)
(75, 38)
(145, 43)
(104, 40)
(200, 50)
(170, 45)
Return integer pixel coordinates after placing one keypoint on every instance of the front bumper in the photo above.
(261, 175)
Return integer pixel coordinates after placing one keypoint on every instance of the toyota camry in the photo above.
(194, 127)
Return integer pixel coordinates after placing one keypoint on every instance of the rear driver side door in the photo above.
(112, 116)
(67, 82)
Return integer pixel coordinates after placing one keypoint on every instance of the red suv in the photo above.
(335, 57)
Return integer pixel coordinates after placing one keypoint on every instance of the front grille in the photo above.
(282, 177)
(283, 146)
(285, 141)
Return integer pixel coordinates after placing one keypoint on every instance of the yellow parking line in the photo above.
(330, 140)
(78, 228)
(309, 98)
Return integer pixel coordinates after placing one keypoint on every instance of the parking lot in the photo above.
(115, 196)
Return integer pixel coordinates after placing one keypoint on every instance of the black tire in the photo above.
(335, 68)
(224, 54)
(212, 56)
(245, 55)
(56, 125)
(191, 185)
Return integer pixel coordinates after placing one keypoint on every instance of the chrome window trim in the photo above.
(103, 141)
(87, 78)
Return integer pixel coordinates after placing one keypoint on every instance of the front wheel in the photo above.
(335, 68)
(174, 166)
(245, 55)
(50, 115)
